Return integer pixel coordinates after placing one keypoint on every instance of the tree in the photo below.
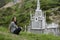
(2, 3)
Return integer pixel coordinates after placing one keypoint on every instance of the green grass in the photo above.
(5, 35)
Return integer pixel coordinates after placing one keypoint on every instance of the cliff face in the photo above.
(56, 15)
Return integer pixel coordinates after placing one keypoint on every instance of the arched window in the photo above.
(36, 18)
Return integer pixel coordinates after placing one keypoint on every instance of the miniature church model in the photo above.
(37, 20)
(38, 23)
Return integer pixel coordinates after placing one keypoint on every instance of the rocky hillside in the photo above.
(22, 12)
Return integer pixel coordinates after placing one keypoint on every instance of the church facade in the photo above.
(38, 22)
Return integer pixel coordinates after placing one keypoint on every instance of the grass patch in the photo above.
(4, 35)
(3, 29)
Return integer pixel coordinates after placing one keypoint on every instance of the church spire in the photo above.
(38, 4)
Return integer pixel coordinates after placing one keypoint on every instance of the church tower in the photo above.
(37, 20)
